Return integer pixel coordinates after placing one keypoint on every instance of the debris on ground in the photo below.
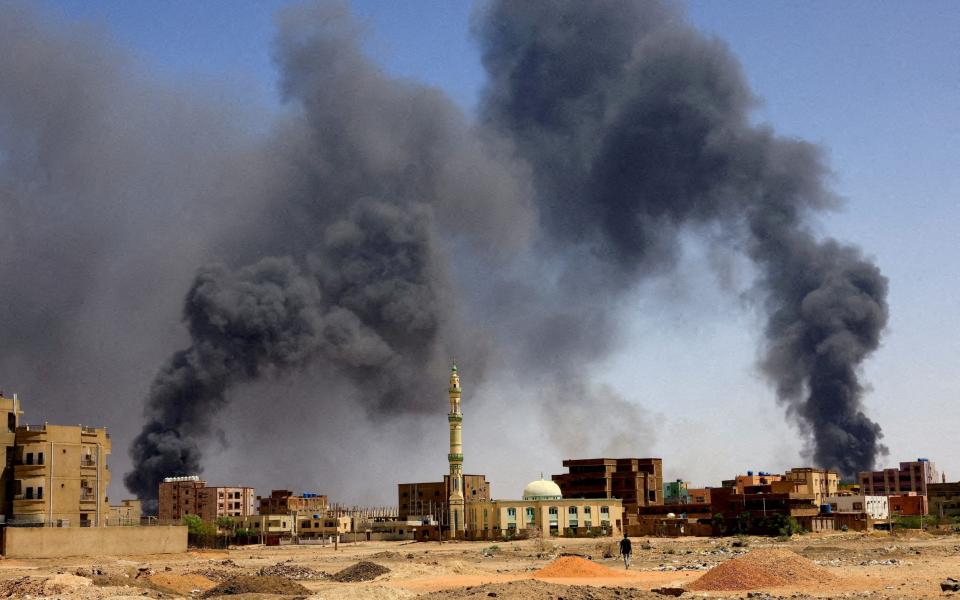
(286, 569)
(575, 566)
(762, 568)
(257, 584)
(21, 586)
(362, 571)
(217, 575)
(950, 585)
(182, 585)
(386, 555)
(669, 591)
(63, 583)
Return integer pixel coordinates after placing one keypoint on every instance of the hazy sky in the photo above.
(876, 83)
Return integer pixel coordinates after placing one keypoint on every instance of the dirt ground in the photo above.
(876, 565)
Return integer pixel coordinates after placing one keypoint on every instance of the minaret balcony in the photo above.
(455, 458)
(455, 417)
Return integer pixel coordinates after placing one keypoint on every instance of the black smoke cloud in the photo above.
(637, 128)
(373, 231)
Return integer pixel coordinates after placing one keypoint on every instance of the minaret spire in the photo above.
(455, 457)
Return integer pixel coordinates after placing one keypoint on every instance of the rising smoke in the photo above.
(374, 231)
(637, 128)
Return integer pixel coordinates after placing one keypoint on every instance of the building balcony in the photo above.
(86, 463)
(455, 458)
(455, 418)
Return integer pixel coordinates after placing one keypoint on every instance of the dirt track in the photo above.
(876, 565)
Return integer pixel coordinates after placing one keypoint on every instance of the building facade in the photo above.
(418, 500)
(190, 495)
(820, 483)
(637, 482)
(944, 499)
(543, 509)
(233, 502)
(60, 475)
(11, 409)
(912, 476)
(875, 507)
(284, 502)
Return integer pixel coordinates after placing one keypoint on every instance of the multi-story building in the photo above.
(676, 492)
(190, 495)
(235, 502)
(910, 504)
(753, 479)
(876, 507)
(912, 476)
(635, 481)
(179, 496)
(944, 499)
(820, 483)
(430, 498)
(284, 502)
(10, 406)
(61, 475)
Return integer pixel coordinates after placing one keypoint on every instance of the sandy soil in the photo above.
(878, 565)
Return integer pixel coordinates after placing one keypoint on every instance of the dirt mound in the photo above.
(575, 566)
(285, 569)
(764, 568)
(64, 583)
(362, 571)
(256, 584)
(216, 575)
(539, 590)
(182, 585)
(21, 586)
(386, 555)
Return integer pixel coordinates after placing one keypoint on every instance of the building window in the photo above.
(11, 422)
(572, 511)
(586, 510)
(511, 512)
(40, 492)
(530, 514)
(29, 494)
(29, 459)
(39, 458)
(553, 510)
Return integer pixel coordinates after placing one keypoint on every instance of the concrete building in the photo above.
(544, 509)
(910, 504)
(875, 507)
(11, 408)
(60, 475)
(179, 496)
(190, 495)
(234, 502)
(675, 492)
(637, 482)
(284, 502)
(912, 476)
(944, 499)
(128, 512)
(752, 479)
(417, 500)
(821, 483)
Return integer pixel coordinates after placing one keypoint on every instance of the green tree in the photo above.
(226, 524)
(196, 526)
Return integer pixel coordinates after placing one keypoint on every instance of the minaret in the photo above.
(455, 458)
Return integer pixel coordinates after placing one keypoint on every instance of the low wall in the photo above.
(53, 542)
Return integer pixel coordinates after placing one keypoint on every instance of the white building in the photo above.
(876, 507)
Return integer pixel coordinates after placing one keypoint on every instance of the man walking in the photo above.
(626, 550)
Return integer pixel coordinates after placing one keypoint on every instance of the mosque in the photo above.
(542, 508)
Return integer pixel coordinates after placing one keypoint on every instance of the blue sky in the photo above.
(876, 83)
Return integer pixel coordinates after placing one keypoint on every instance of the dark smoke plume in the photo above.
(637, 128)
(353, 281)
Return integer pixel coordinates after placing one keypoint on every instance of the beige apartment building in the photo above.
(285, 502)
(235, 502)
(11, 408)
(820, 483)
(60, 475)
